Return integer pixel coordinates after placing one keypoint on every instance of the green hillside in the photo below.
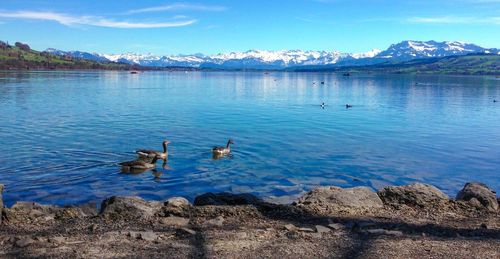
(476, 64)
(20, 56)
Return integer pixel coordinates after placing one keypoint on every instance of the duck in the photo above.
(143, 153)
(347, 106)
(223, 150)
(495, 101)
(139, 165)
(322, 82)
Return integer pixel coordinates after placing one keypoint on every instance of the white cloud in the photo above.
(179, 6)
(94, 20)
(455, 20)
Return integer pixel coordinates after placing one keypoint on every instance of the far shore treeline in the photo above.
(21, 57)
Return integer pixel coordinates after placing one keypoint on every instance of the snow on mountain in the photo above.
(370, 54)
(405, 50)
(78, 54)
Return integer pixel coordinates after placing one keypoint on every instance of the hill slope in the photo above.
(21, 56)
(473, 64)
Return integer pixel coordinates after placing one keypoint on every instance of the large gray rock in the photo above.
(177, 206)
(225, 199)
(1, 202)
(30, 211)
(417, 194)
(336, 197)
(480, 192)
(128, 208)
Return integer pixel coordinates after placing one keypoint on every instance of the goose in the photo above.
(223, 150)
(143, 153)
(347, 106)
(139, 165)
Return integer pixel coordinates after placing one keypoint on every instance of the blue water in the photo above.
(62, 133)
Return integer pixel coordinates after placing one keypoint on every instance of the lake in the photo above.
(62, 133)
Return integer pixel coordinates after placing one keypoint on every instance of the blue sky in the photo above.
(213, 26)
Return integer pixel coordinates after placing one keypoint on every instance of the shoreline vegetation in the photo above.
(21, 57)
(412, 221)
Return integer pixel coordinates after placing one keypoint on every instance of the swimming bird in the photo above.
(223, 150)
(323, 105)
(143, 153)
(322, 82)
(495, 101)
(139, 165)
(347, 106)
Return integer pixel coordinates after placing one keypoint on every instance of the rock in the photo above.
(1, 202)
(148, 236)
(133, 234)
(322, 229)
(128, 208)
(417, 194)
(225, 199)
(384, 232)
(241, 235)
(24, 242)
(290, 227)
(475, 203)
(306, 229)
(177, 206)
(218, 222)
(28, 211)
(482, 193)
(186, 231)
(57, 240)
(336, 226)
(175, 221)
(335, 197)
(93, 227)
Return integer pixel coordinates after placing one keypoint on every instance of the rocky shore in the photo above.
(413, 221)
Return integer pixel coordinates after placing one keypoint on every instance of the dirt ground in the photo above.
(251, 231)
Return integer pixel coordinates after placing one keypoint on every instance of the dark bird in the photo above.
(347, 106)
(143, 153)
(222, 151)
(139, 165)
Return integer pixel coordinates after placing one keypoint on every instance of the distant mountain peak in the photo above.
(279, 59)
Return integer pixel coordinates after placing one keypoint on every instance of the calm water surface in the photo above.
(62, 133)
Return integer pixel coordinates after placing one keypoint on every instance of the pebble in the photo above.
(186, 231)
(175, 221)
(336, 226)
(384, 232)
(306, 229)
(290, 227)
(57, 240)
(322, 229)
(148, 236)
(219, 221)
(24, 242)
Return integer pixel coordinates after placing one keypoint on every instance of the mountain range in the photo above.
(262, 59)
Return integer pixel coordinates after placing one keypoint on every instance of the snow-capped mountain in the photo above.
(263, 59)
(407, 50)
(78, 54)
